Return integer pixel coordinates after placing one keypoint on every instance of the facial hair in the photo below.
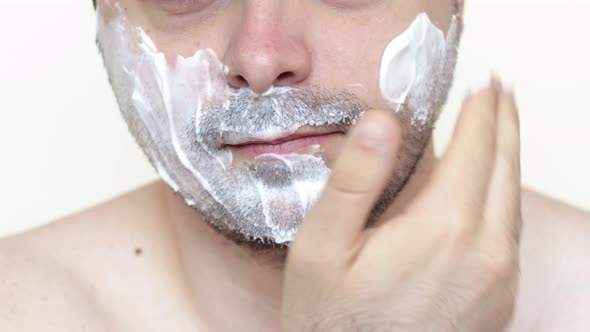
(258, 203)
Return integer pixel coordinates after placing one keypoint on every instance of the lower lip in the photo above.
(303, 145)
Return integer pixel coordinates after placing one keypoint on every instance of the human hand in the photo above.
(448, 262)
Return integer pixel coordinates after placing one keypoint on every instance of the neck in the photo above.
(228, 279)
(228, 282)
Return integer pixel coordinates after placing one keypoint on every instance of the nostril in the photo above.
(286, 76)
(241, 80)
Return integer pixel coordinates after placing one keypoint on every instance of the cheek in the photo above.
(182, 35)
(106, 10)
(347, 54)
(350, 64)
(133, 10)
(186, 43)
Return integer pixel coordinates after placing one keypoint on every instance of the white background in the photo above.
(64, 146)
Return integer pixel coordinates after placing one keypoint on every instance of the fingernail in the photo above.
(370, 132)
(481, 84)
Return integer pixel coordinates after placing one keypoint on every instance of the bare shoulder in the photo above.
(556, 229)
(554, 292)
(38, 293)
(545, 210)
(47, 275)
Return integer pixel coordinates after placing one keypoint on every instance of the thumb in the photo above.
(358, 177)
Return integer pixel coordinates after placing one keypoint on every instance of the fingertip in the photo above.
(482, 105)
(480, 84)
(376, 129)
(497, 83)
(490, 85)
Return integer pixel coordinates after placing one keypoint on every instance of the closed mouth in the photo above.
(302, 142)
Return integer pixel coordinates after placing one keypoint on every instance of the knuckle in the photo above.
(303, 259)
(500, 266)
(508, 231)
(312, 262)
(368, 146)
(344, 183)
(462, 228)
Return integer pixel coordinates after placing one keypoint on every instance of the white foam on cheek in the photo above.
(410, 59)
(144, 70)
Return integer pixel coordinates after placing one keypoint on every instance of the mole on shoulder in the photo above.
(138, 251)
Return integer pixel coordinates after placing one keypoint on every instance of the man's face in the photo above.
(242, 105)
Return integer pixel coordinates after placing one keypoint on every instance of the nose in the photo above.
(265, 51)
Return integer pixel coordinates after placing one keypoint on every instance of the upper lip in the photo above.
(301, 133)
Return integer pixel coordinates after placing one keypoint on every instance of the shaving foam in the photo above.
(184, 115)
(413, 58)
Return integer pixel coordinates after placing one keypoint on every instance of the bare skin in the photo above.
(143, 262)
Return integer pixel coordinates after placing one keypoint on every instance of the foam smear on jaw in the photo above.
(184, 115)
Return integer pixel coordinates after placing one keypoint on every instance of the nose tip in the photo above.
(261, 79)
(260, 65)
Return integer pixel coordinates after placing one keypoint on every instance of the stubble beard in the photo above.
(414, 140)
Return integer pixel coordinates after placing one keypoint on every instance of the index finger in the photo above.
(503, 211)
(461, 179)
